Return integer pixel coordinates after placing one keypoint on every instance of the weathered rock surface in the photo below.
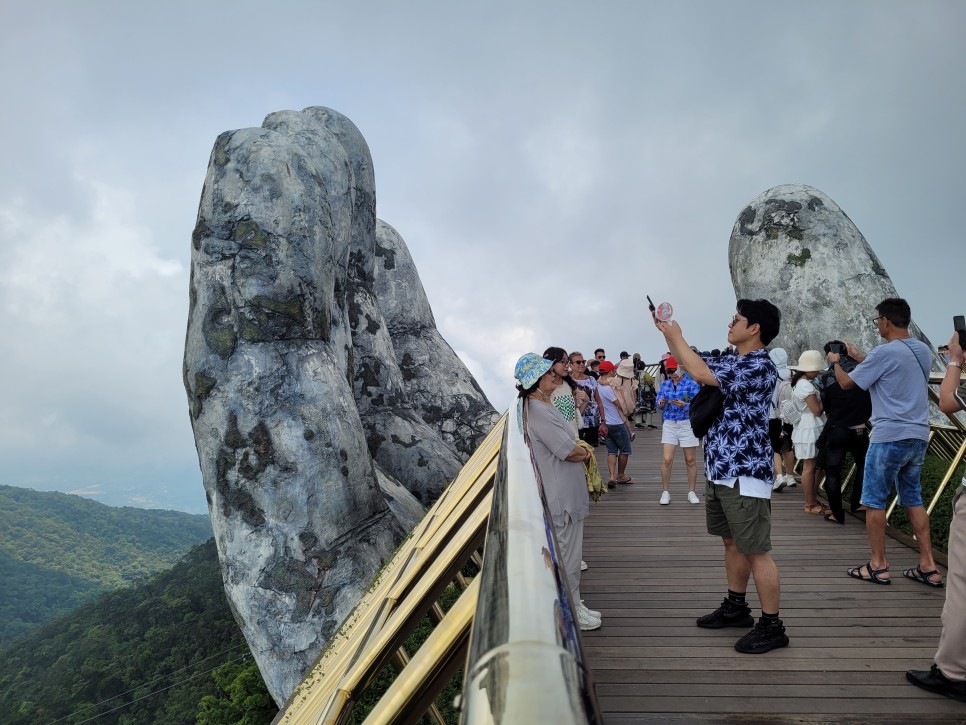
(794, 246)
(317, 447)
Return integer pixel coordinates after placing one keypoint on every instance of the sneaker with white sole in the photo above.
(585, 621)
(665, 498)
(779, 484)
(693, 497)
(587, 610)
(583, 565)
(790, 480)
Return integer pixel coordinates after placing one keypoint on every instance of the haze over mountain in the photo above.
(58, 551)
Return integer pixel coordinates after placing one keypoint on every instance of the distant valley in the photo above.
(58, 551)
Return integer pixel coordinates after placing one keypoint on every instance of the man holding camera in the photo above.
(895, 374)
(948, 675)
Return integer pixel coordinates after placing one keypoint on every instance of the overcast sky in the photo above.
(548, 163)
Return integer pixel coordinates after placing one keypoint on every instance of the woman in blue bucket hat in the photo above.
(559, 460)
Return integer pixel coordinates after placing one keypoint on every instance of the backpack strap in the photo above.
(921, 367)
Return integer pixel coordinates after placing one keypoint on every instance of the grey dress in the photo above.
(564, 483)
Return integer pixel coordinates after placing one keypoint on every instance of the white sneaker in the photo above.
(586, 610)
(583, 565)
(665, 498)
(693, 497)
(790, 480)
(585, 621)
(780, 482)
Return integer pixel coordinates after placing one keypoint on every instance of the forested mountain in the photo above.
(166, 650)
(58, 551)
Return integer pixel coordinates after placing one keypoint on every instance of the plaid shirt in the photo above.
(684, 390)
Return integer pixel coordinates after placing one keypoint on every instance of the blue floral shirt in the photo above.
(684, 390)
(737, 444)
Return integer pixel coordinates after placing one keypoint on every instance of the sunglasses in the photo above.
(578, 362)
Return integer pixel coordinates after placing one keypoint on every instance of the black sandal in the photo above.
(918, 575)
(873, 577)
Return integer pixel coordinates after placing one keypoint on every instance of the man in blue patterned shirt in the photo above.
(738, 465)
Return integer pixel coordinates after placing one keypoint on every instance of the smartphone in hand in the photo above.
(650, 303)
(837, 347)
(959, 325)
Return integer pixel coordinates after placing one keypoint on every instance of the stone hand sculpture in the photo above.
(326, 408)
(794, 246)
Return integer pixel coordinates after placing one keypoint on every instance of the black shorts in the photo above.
(779, 443)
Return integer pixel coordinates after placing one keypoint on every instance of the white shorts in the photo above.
(678, 433)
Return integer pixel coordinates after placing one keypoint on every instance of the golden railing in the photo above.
(525, 663)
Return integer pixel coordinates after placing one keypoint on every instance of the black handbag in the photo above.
(706, 407)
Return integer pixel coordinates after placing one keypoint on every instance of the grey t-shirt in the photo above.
(564, 483)
(893, 375)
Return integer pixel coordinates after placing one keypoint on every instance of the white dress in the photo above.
(808, 429)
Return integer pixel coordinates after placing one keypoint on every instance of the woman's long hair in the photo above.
(558, 354)
(796, 376)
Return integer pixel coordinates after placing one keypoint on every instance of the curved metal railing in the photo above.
(526, 660)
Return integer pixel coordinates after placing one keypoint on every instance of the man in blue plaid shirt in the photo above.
(674, 400)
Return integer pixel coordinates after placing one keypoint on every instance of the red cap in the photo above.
(607, 366)
(670, 363)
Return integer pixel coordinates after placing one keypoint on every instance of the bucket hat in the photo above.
(810, 361)
(529, 368)
(625, 368)
(780, 358)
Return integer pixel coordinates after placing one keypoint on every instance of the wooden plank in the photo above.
(654, 570)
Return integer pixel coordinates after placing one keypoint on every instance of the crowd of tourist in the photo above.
(772, 418)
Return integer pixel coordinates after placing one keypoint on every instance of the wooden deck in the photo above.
(654, 569)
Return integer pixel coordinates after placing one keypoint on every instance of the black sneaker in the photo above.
(763, 638)
(728, 614)
(935, 681)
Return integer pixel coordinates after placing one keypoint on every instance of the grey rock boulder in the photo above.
(794, 246)
(316, 452)
(435, 379)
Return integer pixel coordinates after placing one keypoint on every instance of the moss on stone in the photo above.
(222, 341)
(291, 307)
(407, 367)
(249, 235)
(219, 155)
(218, 331)
(233, 437)
(201, 231)
(251, 332)
(801, 258)
(203, 386)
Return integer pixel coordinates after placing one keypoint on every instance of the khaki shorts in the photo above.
(745, 519)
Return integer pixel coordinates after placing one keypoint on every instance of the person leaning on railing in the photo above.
(947, 676)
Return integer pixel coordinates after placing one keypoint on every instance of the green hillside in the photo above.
(166, 650)
(57, 551)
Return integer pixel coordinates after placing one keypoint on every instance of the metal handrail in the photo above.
(526, 661)
(407, 588)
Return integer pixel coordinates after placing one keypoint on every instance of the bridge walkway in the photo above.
(654, 569)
